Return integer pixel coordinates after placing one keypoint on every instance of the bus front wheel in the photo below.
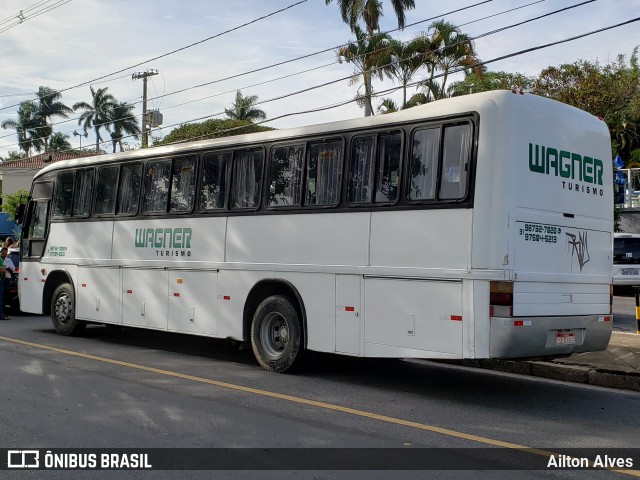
(63, 314)
(276, 334)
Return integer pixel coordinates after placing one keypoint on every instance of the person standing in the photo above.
(7, 272)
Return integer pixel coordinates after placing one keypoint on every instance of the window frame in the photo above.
(303, 180)
(195, 157)
(376, 163)
(471, 121)
(95, 196)
(259, 148)
(118, 212)
(227, 180)
(341, 181)
(92, 192)
(55, 192)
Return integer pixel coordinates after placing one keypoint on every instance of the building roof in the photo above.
(37, 162)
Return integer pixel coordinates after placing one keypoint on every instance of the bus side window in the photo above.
(156, 186)
(106, 190)
(214, 177)
(285, 176)
(324, 173)
(362, 170)
(83, 193)
(129, 191)
(63, 196)
(246, 181)
(424, 164)
(183, 185)
(455, 161)
(388, 177)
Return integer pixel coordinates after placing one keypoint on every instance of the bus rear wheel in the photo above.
(63, 314)
(276, 334)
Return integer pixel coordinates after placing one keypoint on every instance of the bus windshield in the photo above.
(626, 251)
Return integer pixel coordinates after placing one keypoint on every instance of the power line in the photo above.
(377, 68)
(22, 18)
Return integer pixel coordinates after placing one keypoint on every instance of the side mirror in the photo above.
(19, 215)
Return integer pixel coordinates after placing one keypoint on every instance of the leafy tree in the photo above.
(124, 122)
(366, 54)
(49, 106)
(13, 155)
(213, 128)
(388, 105)
(451, 50)
(610, 91)
(243, 108)
(475, 82)
(10, 202)
(97, 114)
(405, 59)
(58, 142)
(27, 127)
(370, 11)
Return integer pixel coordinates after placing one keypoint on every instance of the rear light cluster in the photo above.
(501, 299)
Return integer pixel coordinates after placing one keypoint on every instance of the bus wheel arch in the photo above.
(274, 306)
(59, 302)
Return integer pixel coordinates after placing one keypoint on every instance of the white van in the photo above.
(626, 259)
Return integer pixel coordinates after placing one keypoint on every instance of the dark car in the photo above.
(11, 295)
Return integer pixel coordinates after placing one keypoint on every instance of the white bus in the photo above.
(472, 227)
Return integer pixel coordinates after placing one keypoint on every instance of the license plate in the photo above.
(630, 271)
(565, 339)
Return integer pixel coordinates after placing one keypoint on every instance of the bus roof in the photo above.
(446, 107)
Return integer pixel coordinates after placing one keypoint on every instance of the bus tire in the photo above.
(63, 312)
(276, 334)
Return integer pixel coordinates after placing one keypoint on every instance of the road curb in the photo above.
(602, 377)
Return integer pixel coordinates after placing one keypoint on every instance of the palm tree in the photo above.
(58, 142)
(27, 127)
(406, 59)
(388, 105)
(49, 106)
(367, 54)
(370, 12)
(243, 108)
(97, 114)
(124, 122)
(452, 50)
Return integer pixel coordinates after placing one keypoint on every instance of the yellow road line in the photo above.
(304, 401)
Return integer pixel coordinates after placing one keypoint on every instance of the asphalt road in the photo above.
(142, 389)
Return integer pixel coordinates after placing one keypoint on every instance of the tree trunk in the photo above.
(97, 129)
(368, 107)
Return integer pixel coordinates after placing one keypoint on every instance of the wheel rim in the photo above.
(274, 334)
(63, 308)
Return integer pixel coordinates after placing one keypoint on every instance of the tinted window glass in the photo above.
(83, 193)
(63, 195)
(246, 181)
(129, 192)
(362, 170)
(38, 227)
(183, 184)
(455, 162)
(423, 170)
(626, 250)
(285, 176)
(214, 167)
(156, 186)
(106, 190)
(388, 177)
(324, 173)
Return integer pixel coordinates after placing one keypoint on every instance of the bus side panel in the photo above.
(299, 239)
(68, 240)
(423, 316)
(233, 289)
(317, 293)
(193, 297)
(421, 238)
(98, 294)
(144, 297)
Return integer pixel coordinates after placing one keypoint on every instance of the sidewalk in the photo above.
(617, 367)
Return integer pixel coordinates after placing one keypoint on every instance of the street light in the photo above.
(76, 134)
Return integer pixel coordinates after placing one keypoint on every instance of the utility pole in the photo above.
(145, 122)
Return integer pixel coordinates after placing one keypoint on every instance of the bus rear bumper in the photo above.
(548, 336)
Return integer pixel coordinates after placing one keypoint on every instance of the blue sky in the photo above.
(85, 39)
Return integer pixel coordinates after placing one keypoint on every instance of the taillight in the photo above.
(501, 299)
